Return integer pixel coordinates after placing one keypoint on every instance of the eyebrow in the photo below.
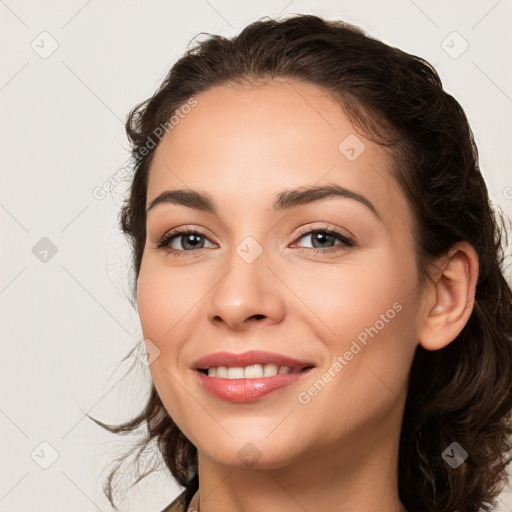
(284, 200)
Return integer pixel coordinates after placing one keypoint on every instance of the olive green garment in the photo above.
(178, 505)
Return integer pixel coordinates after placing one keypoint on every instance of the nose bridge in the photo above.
(245, 290)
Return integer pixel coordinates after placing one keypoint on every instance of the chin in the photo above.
(253, 454)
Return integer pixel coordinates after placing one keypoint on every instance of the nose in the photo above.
(246, 293)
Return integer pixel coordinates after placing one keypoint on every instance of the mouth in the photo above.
(248, 376)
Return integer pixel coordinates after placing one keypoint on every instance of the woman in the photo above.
(319, 279)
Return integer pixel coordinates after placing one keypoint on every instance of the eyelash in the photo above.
(166, 239)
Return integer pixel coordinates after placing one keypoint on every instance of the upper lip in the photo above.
(247, 359)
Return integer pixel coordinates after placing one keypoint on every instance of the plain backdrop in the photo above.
(70, 72)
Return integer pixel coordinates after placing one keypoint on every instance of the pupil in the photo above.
(190, 238)
(319, 236)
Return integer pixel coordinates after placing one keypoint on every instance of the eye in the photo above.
(188, 239)
(323, 240)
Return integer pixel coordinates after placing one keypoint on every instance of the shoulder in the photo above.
(178, 505)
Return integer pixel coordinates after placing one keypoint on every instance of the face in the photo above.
(327, 280)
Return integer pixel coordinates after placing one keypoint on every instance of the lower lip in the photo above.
(247, 390)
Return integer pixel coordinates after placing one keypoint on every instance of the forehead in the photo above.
(243, 144)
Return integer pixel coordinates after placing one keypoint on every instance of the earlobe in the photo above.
(451, 300)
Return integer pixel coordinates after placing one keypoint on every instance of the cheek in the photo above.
(343, 299)
(379, 325)
(152, 303)
(159, 313)
(371, 349)
(365, 311)
(165, 300)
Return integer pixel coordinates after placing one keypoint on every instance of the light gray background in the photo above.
(67, 322)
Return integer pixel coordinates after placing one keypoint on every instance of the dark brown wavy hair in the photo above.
(461, 393)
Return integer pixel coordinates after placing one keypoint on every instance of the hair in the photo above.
(461, 393)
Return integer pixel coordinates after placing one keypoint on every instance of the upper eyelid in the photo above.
(328, 229)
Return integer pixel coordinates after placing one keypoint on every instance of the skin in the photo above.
(243, 145)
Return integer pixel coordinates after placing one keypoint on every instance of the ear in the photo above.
(450, 301)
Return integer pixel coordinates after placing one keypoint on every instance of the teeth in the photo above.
(235, 373)
(222, 371)
(269, 370)
(253, 371)
(250, 372)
